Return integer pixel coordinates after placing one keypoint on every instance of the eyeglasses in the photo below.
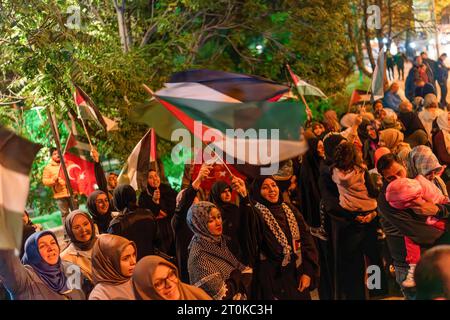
(162, 283)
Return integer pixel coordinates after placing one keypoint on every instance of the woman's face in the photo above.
(371, 132)
(153, 179)
(270, 191)
(215, 222)
(48, 249)
(318, 130)
(378, 106)
(381, 142)
(225, 196)
(165, 282)
(102, 204)
(128, 261)
(321, 149)
(81, 228)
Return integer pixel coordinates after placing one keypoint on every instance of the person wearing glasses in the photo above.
(99, 207)
(155, 278)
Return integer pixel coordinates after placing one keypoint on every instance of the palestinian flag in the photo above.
(303, 87)
(379, 77)
(16, 158)
(269, 130)
(359, 96)
(80, 165)
(205, 85)
(140, 161)
(88, 111)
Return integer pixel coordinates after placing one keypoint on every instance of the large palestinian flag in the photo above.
(16, 158)
(205, 85)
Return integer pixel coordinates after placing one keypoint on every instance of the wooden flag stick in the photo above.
(221, 160)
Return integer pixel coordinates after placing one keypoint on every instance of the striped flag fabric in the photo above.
(244, 151)
(205, 85)
(140, 161)
(303, 87)
(358, 96)
(16, 158)
(88, 111)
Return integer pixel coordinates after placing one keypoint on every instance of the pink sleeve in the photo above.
(431, 192)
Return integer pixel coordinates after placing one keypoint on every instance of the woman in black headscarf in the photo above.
(100, 209)
(220, 195)
(285, 257)
(160, 199)
(368, 135)
(134, 223)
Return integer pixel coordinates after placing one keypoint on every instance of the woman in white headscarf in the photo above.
(429, 113)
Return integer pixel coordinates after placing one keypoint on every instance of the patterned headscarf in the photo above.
(422, 161)
(197, 220)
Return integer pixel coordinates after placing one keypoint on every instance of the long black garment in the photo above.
(182, 232)
(309, 185)
(351, 243)
(231, 218)
(270, 279)
(135, 224)
(165, 236)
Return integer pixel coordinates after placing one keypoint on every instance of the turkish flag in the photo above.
(80, 167)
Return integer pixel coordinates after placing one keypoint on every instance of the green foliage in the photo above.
(41, 58)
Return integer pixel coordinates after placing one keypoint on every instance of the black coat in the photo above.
(137, 225)
(270, 279)
(182, 233)
(165, 237)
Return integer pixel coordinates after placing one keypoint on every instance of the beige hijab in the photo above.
(393, 140)
(106, 259)
(143, 281)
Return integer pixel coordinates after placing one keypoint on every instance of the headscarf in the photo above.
(124, 196)
(83, 246)
(401, 193)
(393, 140)
(330, 142)
(362, 130)
(197, 220)
(331, 121)
(214, 196)
(143, 281)
(269, 212)
(52, 275)
(442, 121)
(106, 259)
(379, 153)
(422, 161)
(212, 261)
(102, 220)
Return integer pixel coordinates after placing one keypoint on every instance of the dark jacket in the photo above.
(409, 224)
(137, 225)
(442, 72)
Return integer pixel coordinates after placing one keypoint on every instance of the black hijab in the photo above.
(330, 143)
(216, 190)
(256, 192)
(124, 197)
(101, 220)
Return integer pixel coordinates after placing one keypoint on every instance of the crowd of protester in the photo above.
(371, 190)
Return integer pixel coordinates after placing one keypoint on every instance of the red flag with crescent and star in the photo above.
(80, 165)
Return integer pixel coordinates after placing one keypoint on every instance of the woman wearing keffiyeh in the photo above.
(286, 259)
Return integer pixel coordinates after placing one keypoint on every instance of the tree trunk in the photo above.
(357, 51)
(123, 30)
(367, 35)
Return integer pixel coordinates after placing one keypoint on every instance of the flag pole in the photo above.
(61, 157)
(298, 91)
